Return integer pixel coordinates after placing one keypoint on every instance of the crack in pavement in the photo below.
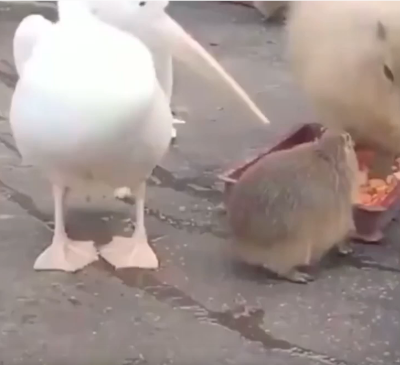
(8, 79)
(188, 225)
(10, 146)
(190, 186)
(246, 323)
(26, 203)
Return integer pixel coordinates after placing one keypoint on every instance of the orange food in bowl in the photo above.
(373, 191)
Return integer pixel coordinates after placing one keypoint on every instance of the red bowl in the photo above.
(370, 221)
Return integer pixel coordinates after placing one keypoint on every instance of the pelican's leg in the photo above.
(64, 253)
(166, 79)
(135, 251)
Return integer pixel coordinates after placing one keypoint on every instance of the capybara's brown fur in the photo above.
(294, 205)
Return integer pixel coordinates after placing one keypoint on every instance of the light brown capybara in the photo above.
(292, 206)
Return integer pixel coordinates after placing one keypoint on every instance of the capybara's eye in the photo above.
(388, 73)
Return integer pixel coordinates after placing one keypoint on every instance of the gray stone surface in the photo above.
(200, 307)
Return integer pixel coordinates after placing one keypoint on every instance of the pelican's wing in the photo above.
(29, 32)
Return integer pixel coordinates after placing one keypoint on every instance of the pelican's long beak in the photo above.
(184, 48)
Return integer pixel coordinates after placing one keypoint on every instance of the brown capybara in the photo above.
(345, 55)
(293, 206)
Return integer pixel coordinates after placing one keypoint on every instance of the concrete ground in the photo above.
(200, 307)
